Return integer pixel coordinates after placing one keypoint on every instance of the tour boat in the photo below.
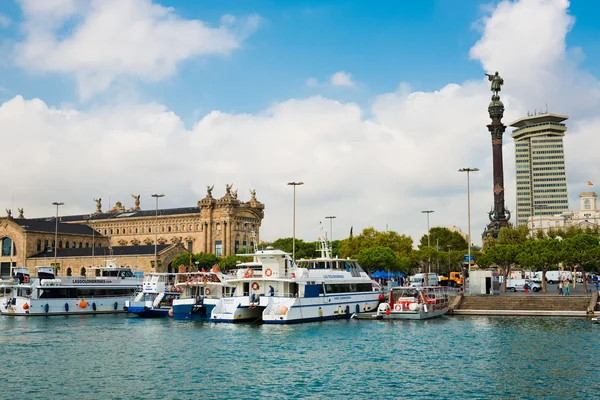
(48, 294)
(415, 303)
(156, 297)
(283, 292)
(200, 293)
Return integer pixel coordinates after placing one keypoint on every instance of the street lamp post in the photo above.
(57, 204)
(156, 196)
(468, 171)
(330, 218)
(294, 184)
(428, 240)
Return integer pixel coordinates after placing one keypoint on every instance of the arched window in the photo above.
(87, 244)
(53, 244)
(176, 228)
(586, 204)
(69, 271)
(117, 231)
(162, 228)
(83, 271)
(150, 229)
(39, 245)
(111, 231)
(131, 230)
(105, 231)
(80, 245)
(7, 243)
(169, 228)
(136, 230)
(97, 272)
(60, 244)
(67, 244)
(45, 244)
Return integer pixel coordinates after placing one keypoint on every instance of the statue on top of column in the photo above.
(8, 213)
(209, 190)
(20, 213)
(253, 194)
(497, 82)
(228, 189)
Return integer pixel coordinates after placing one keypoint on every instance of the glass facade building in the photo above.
(540, 166)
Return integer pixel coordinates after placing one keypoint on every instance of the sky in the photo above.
(373, 107)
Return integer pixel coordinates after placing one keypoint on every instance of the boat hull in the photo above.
(295, 311)
(149, 312)
(192, 311)
(40, 307)
(415, 315)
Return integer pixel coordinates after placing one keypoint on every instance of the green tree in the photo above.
(444, 237)
(378, 257)
(579, 250)
(400, 244)
(502, 255)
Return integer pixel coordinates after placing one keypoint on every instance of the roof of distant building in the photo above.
(124, 214)
(38, 225)
(144, 250)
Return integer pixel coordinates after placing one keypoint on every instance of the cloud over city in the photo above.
(378, 164)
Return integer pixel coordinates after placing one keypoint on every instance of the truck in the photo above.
(555, 276)
(453, 280)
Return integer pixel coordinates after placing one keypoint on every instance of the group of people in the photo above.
(564, 288)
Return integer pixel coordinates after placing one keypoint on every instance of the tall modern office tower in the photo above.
(540, 165)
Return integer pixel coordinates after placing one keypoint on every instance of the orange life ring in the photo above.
(249, 272)
(207, 292)
(268, 272)
(26, 279)
(255, 286)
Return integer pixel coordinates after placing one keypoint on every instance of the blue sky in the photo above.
(425, 44)
(374, 105)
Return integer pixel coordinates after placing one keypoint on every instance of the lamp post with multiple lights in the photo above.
(294, 184)
(156, 196)
(57, 204)
(428, 240)
(468, 171)
(330, 218)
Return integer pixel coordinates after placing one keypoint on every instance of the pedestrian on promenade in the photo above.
(560, 288)
(597, 285)
(567, 293)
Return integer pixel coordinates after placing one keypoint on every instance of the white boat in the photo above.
(282, 292)
(47, 294)
(201, 291)
(156, 297)
(415, 303)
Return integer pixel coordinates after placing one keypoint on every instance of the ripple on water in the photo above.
(120, 357)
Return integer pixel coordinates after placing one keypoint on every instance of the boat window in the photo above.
(333, 288)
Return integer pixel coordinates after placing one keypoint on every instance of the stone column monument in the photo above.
(499, 215)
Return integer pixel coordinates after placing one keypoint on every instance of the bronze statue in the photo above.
(228, 189)
(209, 190)
(8, 213)
(234, 194)
(497, 82)
(20, 213)
(137, 202)
(253, 193)
(98, 205)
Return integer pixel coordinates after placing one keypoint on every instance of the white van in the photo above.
(555, 276)
(419, 280)
(519, 284)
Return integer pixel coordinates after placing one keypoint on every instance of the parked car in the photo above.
(521, 284)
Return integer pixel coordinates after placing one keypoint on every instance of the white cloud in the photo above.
(312, 82)
(109, 39)
(368, 166)
(4, 21)
(342, 78)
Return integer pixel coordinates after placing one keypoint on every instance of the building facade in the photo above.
(586, 216)
(222, 226)
(540, 166)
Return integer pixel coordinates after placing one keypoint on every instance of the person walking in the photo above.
(597, 285)
(567, 293)
(560, 288)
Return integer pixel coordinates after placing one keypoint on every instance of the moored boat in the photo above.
(201, 291)
(415, 303)
(283, 292)
(156, 297)
(48, 294)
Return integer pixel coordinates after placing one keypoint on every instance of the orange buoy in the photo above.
(171, 312)
(26, 306)
(83, 304)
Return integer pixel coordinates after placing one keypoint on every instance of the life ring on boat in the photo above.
(249, 272)
(26, 279)
(268, 272)
(255, 286)
(398, 307)
(207, 292)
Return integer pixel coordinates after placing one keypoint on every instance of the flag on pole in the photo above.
(590, 183)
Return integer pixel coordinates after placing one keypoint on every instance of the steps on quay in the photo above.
(524, 305)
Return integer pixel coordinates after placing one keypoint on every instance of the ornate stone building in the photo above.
(223, 226)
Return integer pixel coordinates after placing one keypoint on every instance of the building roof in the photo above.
(38, 225)
(117, 251)
(538, 119)
(124, 214)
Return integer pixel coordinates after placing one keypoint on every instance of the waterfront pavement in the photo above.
(551, 290)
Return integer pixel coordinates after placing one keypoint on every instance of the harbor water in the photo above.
(121, 357)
